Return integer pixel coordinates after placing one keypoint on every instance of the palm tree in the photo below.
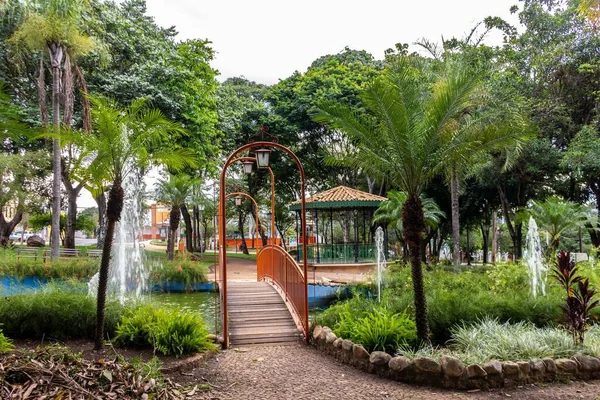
(54, 26)
(556, 216)
(483, 123)
(125, 140)
(390, 212)
(175, 191)
(400, 139)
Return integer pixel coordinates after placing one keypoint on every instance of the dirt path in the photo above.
(239, 269)
(301, 372)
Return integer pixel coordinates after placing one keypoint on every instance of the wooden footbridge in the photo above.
(274, 309)
(252, 312)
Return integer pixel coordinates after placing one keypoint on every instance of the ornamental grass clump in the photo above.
(490, 339)
(579, 301)
(5, 343)
(167, 330)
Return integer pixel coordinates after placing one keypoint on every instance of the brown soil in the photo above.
(301, 372)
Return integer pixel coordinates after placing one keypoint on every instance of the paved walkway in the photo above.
(301, 372)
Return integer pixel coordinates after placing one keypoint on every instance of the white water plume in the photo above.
(128, 276)
(533, 258)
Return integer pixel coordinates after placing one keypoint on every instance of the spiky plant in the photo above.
(400, 138)
(125, 140)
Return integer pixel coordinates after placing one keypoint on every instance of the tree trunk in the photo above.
(195, 229)
(243, 245)
(56, 55)
(68, 92)
(113, 214)
(41, 86)
(101, 201)
(72, 194)
(413, 223)
(174, 218)
(594, 230)
(188, 229)
(515, 231)
(485, 234)
(455, 218)
(86, 112)
(6, 227)
(494, 236)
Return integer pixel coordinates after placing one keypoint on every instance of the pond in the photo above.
(204, 303)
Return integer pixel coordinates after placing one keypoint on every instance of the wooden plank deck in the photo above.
(257, 314)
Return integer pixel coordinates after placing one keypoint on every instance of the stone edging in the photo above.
(452, 373)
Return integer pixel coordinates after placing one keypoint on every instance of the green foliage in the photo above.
(5, 343)
(183, 271)
(384, 331)
(169, 331)
(55, 315)
(69, 268)
(556, 217)
(391, 211)
(83, 223)
(373, 325)
(489, 339)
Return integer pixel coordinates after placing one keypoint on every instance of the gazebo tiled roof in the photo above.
(340, 197)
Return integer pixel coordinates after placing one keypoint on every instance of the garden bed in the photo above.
(450, 372)
(73, 370)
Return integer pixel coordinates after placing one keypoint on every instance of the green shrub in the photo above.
(78, 268)
(183, 271)
(381, 330)
(5, 343)
(469, 296)
(55, 315)
(169, 331)
(373, 325)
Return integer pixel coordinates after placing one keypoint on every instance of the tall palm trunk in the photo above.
(455, 217)
(101, 201)
(56, 55)
(174, 218)
(113, 215)
(189, 245)
(413, 224)
(494, 236)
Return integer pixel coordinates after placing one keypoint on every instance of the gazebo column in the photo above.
(355, 235)
(317, 233)
(331, 227)
(297, 239)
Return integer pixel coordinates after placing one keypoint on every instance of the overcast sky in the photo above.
(267, 40)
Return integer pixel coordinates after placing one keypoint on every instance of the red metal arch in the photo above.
(222, 251)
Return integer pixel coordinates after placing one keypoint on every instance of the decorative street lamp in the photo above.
(248, 166)
(238, 201)
(263, 157)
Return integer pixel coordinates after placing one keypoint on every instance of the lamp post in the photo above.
(248, 165)
(262, 157)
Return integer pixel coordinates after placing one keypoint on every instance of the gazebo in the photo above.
(349, 210)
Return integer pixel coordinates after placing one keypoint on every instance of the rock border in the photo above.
(450, 372)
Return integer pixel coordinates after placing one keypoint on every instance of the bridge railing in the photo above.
(275, 264)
